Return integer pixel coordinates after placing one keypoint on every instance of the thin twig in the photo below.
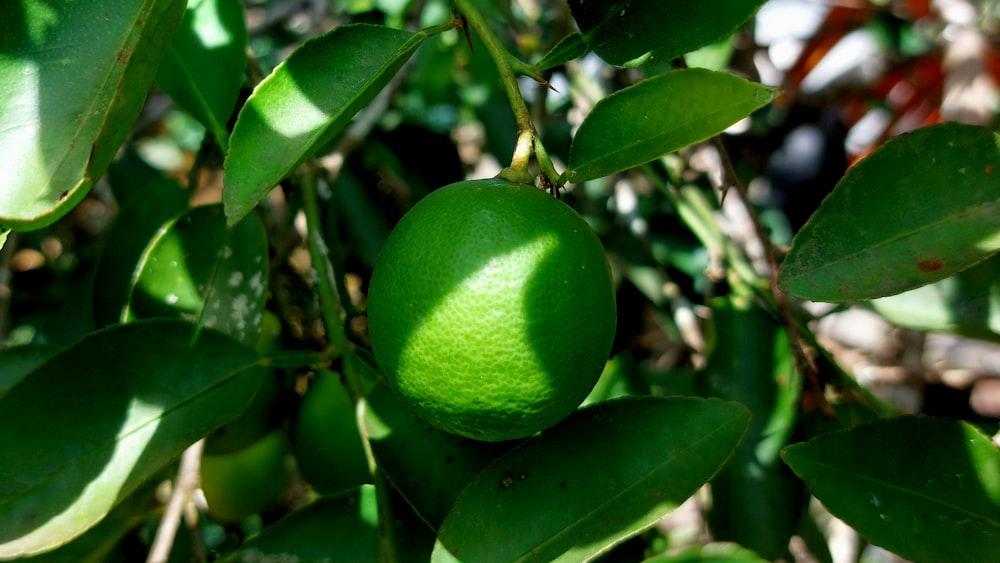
(188, 478)
(6, 253)
(803, 359)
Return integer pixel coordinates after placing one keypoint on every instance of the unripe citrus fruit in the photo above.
(491, 309)
(326, 440)
(248, 481)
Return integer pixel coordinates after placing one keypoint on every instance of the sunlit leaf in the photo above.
(967, 304)
(75, 76)
(659, 115)
(203, 67)
(922, 207)
(91, 424)
(137, 222)
(198, 269)
(640, 32)
(305, 103)
(97, 545)
(604, 474)
(927, 489)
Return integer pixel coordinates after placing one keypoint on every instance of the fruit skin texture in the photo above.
(491, 309)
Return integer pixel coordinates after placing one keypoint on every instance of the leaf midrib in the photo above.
(867, 478)
(971, 214)
(631, 147)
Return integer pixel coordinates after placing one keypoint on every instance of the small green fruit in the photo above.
(491, 309)
(246, 482)
(326, 440)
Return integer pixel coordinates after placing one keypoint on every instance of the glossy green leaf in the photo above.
(719, 552)
(967, 304)
(756, 501)
(203, 67)
(75, 78)
(922, 207)
(640, 32)
(137, 222)
(196, 268)
(342, 527)
(927, 489)
(567, 49)
(659, 115)
(620, 377)
(268, 405)
(602, 475)
(3, 236)
(305, 103)
(428, 467)
(97, 545)
(91, 424)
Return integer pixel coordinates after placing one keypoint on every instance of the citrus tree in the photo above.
(372, 282)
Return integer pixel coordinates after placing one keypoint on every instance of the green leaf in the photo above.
(659, 115)
(602, 475)
(428, 467)
(967, 304)
(305, 103)
(90, 425)
(756, 501)
(203, 67)
(137, 222)
(567, 49)
(196, 268)
(639, 32)
(922, 207)
(927, 489)
(342, 527)
(98, 544)
(3, 236)
(75, 78)
(18, 361)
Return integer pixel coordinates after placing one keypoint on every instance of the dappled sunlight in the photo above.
(485, 319)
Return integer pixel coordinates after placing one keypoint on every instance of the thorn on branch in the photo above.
(461, 22)
(538, 78)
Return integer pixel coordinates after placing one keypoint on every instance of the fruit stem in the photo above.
(329, 300)
(545, 163)
(518, 170)
(383, 501)
(508, 77)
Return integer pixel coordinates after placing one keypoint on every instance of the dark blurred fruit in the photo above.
(326, 440)
(246, 482)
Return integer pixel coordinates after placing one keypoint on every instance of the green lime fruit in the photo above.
(246, 482)
(491, 309)
(326, 441)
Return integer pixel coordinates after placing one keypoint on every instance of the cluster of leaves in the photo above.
(199, 326)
